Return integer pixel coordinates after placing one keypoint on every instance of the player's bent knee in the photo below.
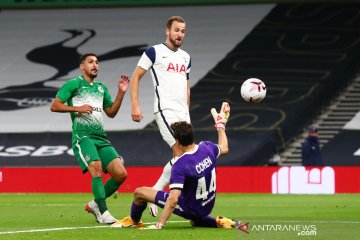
(121, 178)
(139, 193)
(123, 175)
(95, 169)
(119, 175)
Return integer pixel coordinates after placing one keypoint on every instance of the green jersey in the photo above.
(77, 92)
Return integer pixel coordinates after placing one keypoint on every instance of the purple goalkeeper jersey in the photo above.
(194, 173)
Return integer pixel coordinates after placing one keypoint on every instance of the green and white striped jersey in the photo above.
(77, 92)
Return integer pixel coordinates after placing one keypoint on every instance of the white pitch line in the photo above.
(182, 221)
(48, 230)
(70, 228)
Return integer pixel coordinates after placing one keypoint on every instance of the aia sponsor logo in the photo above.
(176, 68)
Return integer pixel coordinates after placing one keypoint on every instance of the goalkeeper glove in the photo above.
(222, 117)
(157, 226)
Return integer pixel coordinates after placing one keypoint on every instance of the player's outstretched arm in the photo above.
(169, 207)
(123, 85)
(59, 106)
(134, 94)
(223, 142)
(221, 119)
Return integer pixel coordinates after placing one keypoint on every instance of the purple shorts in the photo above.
(160, 201)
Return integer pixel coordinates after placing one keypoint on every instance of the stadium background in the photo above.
(306, 54)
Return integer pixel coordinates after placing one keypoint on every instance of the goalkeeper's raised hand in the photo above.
(222, 117)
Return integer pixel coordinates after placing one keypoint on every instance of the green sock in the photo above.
(111, 186)
(99, 193)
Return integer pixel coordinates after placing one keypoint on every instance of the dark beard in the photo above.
(93, 75)
(174, 44)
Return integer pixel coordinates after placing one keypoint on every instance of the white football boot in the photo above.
(92, 207)
(153, 209)
(107, 218)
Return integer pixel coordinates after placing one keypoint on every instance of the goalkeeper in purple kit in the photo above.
(192, 182)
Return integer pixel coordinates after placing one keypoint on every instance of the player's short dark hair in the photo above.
(174, 19)
(183, 131)
(84, 56)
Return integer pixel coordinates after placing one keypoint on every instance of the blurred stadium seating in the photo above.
(339, 127)
(306, 54)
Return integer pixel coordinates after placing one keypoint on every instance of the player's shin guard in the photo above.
(99, 193)
(110, 187)
(164, 179)
(136, 211)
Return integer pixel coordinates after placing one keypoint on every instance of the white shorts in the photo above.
(165, 118)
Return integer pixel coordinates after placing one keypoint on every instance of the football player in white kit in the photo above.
(169, 67)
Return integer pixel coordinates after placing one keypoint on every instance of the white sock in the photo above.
(164, 179)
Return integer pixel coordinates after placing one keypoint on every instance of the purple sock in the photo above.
(136, 211)
(207, 221)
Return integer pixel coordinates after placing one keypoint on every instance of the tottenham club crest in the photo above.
(64, 59)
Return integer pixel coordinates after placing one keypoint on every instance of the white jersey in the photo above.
(170, 72)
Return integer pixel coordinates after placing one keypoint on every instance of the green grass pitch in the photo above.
(62, 216)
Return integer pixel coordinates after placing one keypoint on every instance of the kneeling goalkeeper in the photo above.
(192, 182)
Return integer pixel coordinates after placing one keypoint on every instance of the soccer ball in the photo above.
(253, 90)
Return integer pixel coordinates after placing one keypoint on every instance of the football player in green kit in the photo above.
(86, 100)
